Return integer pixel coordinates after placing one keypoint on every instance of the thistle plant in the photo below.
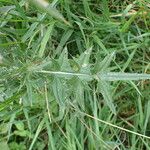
(74, 75)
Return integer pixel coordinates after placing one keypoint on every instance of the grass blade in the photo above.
(45, 39)
(64, 39)
(47, 8)
(40, 126)
(6, 102)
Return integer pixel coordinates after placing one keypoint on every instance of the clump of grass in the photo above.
(76, 84)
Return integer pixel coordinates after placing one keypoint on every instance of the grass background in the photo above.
(58, 89)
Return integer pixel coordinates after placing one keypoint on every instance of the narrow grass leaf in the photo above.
(32, 31)
(46, 7)
(75, 136)
(95, 112)
(40, 126)
(141, 114)
(27, 118)
(81, 29)
(128, 23)
(128, 61)
(115, 126)
(6, 102)
(105, 9)
(29, 92)
(50, 136)
(45, 39)
(128, 8)
(100, 43)
(135, 87)
(6, 9)
(147, 116)
(10, 124)
(64, 39)
(87, 9)
(20, 10)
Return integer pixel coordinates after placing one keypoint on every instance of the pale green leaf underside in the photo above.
(110, 76)
(116, 76)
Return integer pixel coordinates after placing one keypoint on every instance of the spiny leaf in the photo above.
(117, 76)
(103, 65)
(64, 61)
(106, 92)
(110, 76)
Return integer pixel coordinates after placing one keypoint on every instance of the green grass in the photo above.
(75, 75)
